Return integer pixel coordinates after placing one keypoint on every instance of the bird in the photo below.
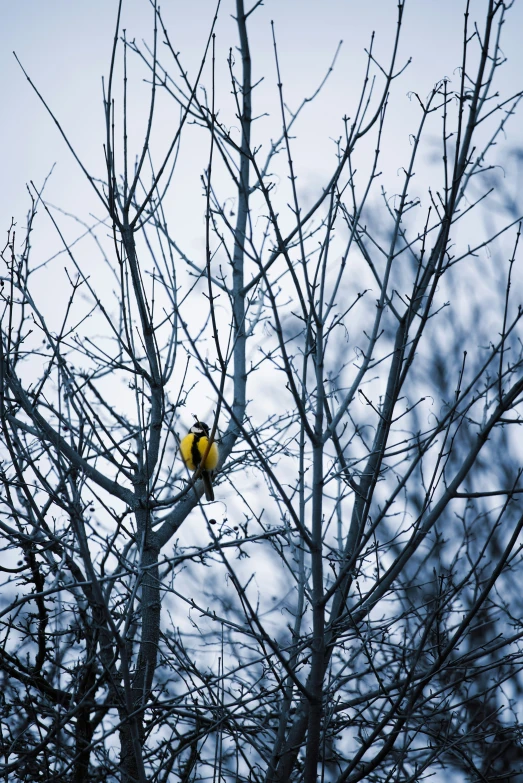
(192, 450)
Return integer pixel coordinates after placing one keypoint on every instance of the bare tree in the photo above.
(349, 609)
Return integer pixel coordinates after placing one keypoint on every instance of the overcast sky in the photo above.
(65, 46)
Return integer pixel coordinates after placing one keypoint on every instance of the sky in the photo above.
(65, 47)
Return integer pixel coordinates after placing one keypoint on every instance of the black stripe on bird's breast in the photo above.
(195, 451)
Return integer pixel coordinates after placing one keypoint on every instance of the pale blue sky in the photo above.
(65, 46)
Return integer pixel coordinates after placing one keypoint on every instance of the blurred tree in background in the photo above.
(349, 608)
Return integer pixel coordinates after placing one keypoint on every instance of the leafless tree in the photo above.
(349, 609)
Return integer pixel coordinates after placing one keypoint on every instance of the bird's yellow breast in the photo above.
(192, 452)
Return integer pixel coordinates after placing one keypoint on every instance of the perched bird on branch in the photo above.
(195, 448)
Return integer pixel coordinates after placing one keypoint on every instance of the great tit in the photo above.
(192, 450)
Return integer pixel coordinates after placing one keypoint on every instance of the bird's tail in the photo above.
(207, 485)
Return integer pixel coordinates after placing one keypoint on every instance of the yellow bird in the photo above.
(192, 450)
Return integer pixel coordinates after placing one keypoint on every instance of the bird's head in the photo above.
(199, 428)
